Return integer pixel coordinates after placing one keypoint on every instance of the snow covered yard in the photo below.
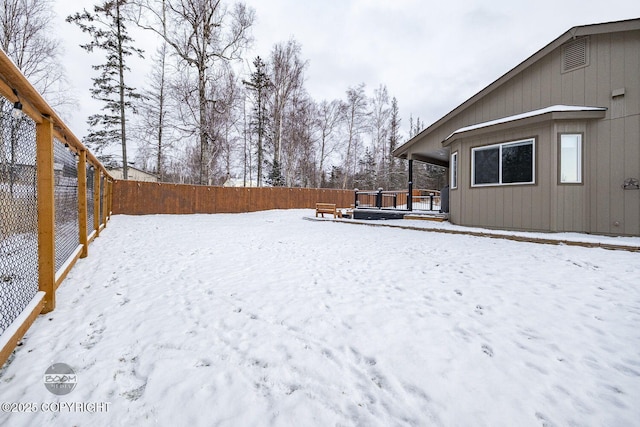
(267, 319)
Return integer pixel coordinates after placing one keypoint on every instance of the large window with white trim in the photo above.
(508, 163)
(454, 170)
(570, 158)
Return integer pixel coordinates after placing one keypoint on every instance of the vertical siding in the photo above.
(631, 198)
(632, 169)
(611, 145)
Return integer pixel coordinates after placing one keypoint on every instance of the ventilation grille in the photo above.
(575, 55)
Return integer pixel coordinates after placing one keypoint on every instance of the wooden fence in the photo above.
(143, 198)
(55, 198)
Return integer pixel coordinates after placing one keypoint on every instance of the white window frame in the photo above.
(578, 160)
(500, 146)
(454, 170)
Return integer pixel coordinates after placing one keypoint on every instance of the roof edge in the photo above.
(555, 112)
(577, 31)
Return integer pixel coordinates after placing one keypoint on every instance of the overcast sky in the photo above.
(431, 55)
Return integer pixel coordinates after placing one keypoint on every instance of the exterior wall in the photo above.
(611, 145)
(516, 207)
(134, 175)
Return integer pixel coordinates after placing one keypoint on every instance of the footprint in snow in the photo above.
(458, 292)
(136, 393)
(487, 350)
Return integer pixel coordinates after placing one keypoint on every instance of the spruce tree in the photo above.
(259, 84)
(106, 26)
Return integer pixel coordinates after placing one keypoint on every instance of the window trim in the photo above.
(532, 140)
(580, 160)
(454, 170)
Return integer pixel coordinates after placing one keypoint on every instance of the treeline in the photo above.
(205, 117)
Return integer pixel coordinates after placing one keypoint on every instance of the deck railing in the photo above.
(424, 200)
(55, 198)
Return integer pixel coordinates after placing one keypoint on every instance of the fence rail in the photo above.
(50, 204)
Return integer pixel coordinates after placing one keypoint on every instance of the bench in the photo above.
(327, 208)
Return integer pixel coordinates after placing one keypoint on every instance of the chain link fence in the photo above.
(45, 225)
(65, 175)
(90, 205)
(18, 214)
(101, 211)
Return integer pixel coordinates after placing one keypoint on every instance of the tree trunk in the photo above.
(123, 136)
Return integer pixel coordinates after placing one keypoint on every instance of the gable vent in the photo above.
(575, 55)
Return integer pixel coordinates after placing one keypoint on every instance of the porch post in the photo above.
(410, 196)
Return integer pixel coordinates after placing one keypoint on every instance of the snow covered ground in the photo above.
(266, 319)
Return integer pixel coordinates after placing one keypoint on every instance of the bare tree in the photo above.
(225, 121)
(356, 117)
(396, 177)
(329, 117)
(156, 110)
(155, 131)
(298, 160)
(26, 37)
(202, 33)
(379, 130)
(287, 77)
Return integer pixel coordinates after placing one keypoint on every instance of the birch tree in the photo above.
(203, 34)
(379, 130)
(26, 38)
(356, 116)
(329, 116)
(287, 77)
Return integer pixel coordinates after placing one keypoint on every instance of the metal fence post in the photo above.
(410, 197)
(46, 214)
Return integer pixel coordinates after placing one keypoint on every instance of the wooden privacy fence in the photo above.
(55, 198)
(143, 198)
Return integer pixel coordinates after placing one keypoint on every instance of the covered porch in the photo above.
(423, 202)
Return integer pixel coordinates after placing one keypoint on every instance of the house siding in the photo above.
(611, 146)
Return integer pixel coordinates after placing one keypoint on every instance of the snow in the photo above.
(268, 319)
(20, 320)
(629, 242)
(551, 109)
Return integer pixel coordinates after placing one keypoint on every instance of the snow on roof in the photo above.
(552, 109)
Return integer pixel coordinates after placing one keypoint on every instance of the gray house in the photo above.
(552, 145)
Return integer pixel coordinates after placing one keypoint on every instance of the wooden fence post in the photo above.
(110, 200)
(46, 214)
(105, 199)
(82, 203)
(96, 200)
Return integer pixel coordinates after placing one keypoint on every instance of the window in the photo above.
(454, 170)
(501, 164)
(570, 158)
